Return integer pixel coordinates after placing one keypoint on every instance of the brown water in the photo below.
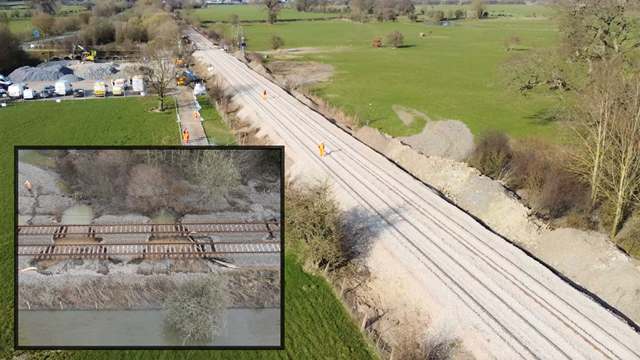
(77, 215)
(245, 327)
(164, 216)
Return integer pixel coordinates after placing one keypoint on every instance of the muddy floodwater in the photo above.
(77, 215)
(22, 219)
(164, 216)
(245, 327)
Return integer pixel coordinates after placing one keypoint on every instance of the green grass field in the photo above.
(450, 75)
(214, 127)
(252, 13)
(21, 25)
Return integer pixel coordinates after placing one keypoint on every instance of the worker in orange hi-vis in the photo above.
(264, 95)
(186, 137)
(28, 185)
(195, 115)
(321, 147)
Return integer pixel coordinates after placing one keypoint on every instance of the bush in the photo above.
(413, 18)
(578, 219)
(492, 154)
(395, 38)
(199, 309)
(255, 57)
(560, 193)
(272, 17)
(414, 346)
(276, 42)
(314, 231)
(530, 162)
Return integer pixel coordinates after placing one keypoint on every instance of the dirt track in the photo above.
(499, 301)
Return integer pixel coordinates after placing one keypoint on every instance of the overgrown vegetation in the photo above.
(145, 180)
(597, 61)
(314, 231)
(198, 310)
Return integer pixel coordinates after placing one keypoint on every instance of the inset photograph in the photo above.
(149, 247)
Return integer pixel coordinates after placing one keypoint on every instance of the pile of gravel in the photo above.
(95, 71)
(71, 78)
(39, 73)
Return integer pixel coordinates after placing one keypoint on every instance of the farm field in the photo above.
(450, 74)
(253, 13)
(21, 25)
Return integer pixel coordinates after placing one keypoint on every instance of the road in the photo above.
(49, 39)
(489, 289)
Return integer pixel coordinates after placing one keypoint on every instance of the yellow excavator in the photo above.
(86, 55)
(179, 61)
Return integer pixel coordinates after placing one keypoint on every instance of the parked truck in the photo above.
(137, 82)
(119, 86)
(100, 89)
(63, 88)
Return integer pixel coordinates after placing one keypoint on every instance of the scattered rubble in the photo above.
(39, 73)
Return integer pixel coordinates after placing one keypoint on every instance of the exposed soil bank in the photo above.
(85, 284)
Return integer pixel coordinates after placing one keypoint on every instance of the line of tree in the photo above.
(596, 62)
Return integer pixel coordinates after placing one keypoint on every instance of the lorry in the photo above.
(137, 82)
(100, 89)
(16, 90)
(63, 88)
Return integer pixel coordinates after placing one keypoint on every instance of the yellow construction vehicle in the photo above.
(179, 61)
(86, 55)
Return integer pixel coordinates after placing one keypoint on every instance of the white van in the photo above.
(30, 94)
(16, 90)
(99, 89)
(63, 87)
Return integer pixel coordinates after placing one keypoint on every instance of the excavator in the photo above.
(377, 42)
(86, 55)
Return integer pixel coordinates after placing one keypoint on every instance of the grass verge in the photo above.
(214, 126)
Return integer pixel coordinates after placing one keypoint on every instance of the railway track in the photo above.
(152, 250)
(519, 308)
(177, 229)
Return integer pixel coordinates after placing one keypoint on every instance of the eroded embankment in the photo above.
(252, 288)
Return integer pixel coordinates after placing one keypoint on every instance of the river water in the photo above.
(245, 327)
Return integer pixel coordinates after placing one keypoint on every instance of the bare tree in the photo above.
(599, 30)
(273, 8)
(233, 19)
(621, 165)
(590, 122)
(276, 42)
(44, 23)
(148, 187)
(479, 8)
(160, 68)
(511, 41)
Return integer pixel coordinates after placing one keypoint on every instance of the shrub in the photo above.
(272, 17)
(314, 231)
(414, 346)
(255, 57)
(560, 193)
(276, 42)
(213, 35)
(199, 309)
(530, 162)
(395, 38)
(413, 18)
(492, 154)
(578, 219)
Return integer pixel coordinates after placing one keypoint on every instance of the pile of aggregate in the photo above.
(39, 73)
(95, 71)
